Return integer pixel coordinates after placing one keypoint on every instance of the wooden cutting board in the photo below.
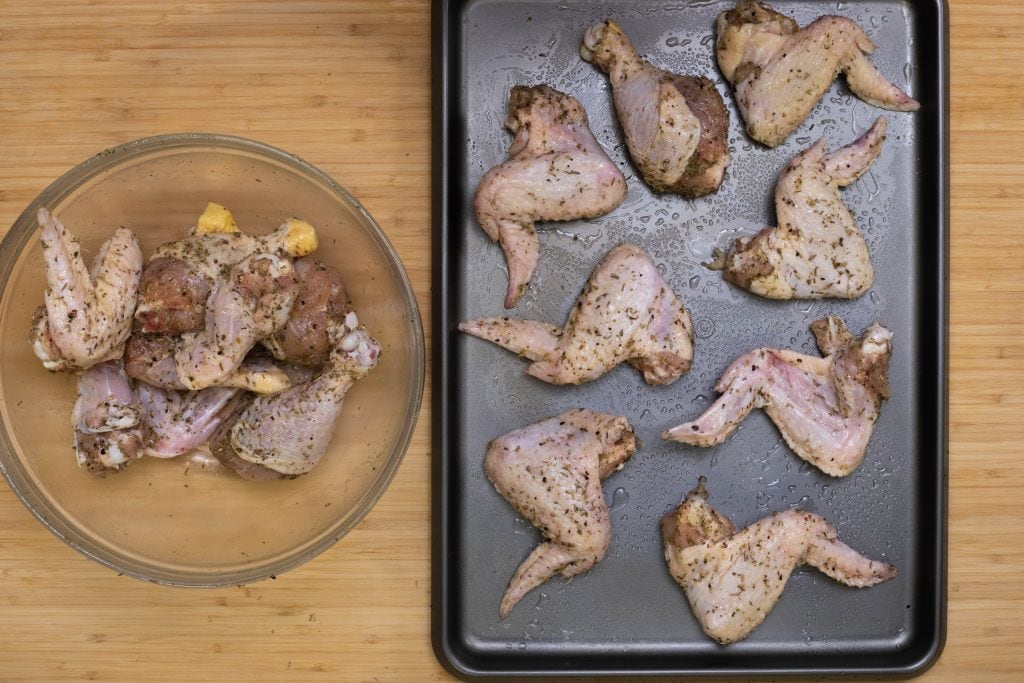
(346, 85)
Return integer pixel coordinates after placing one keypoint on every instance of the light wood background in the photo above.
(346, 85)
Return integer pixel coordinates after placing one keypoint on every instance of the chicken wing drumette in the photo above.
(816, 251)
(179, 277)
(676, 126)
(87, 314)
(825, 408)
(780, 71)
(551, 472)
(732, 578)
(556, 171)
(107, 420)
(626, 313)
(287, 434)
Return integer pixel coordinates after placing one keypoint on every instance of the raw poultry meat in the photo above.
(551, 472)
(106, 418)
(732, 578)
(179, 277)
(88, 312)
(177, 422)
(321, 299)
(556, 171)
(780, 71)
(288, 433)
(251, 302)
(676, 126)
(626, 313)
(816, 251)
(149, 358)
(825, 408)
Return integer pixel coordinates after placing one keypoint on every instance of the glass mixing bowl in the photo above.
(187, 521)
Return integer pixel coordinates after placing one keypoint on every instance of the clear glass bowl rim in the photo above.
(22, 230)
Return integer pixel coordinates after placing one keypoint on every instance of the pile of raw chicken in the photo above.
(675, 129)
(245, 343)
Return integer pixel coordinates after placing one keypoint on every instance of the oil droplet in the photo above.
(521, 526)
(694, 281)
(541, 599)
(672, 41)
(875, 299)
(620, 498)
(704, 328)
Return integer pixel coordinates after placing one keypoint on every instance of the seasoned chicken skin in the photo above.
(289, 432)
(149, 358)
(251, 302)
(305, 339)
(816, 251)
(825, 408)
(732, 579)
(178, 422)
(551, 472)
(676, 126)
(626, 313)
(556, 171)
(88, 312)
(106, 418)
(780, 71)
(179, 277)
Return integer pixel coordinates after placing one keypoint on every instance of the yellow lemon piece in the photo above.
(216, 219)
(300, 238)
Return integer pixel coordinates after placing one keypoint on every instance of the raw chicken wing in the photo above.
(251, 302)
(149, 358)
(178, 422)
(551, 472)
(180, 275)
(627, 312)
(733, 578)
(106, 418)
(289, 432)
(556, 171)
(305, 339)
(816, 251)
(825, 408)
(676, 126)
(87, 314)
(780, 71)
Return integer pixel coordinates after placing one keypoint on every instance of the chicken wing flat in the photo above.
(551, 472)
(825, 408)
(87, 315)
(626, 313)
(780, 71)
(556, 171)
(816, 251)
(732, 578)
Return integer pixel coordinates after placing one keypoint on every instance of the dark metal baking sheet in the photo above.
(627, 616)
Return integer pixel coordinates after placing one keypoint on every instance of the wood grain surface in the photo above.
(346, 85)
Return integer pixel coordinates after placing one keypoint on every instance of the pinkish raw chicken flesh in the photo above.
(780, 71)
(732, 578)
(551, 472)
(556, 171)
(825, 408)
(288, 433)
(87, 314)
(676, 127)
(177, 422)
(816, 251)
(626, 313)
(107, 420)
